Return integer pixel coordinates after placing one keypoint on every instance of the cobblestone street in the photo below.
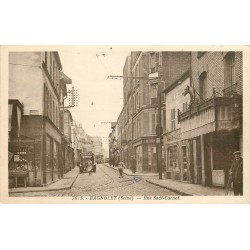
(104, 182)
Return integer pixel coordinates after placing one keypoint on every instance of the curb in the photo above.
(131, 173)
(171, 189)
(45, 189)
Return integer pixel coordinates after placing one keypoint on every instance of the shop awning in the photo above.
(205, 129)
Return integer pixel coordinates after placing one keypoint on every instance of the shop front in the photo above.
(51, 172)
(214, 133)
(24, 166)
(146, 155)
(52, 160)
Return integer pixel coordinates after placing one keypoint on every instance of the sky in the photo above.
(100, 100)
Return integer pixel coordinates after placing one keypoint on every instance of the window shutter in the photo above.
(153, 123)
(157, 60)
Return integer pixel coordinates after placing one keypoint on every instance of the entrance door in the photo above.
(198, 160)
(207, 160)
(185, 164)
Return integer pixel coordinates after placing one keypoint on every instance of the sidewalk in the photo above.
(189, 189)
(129, 172)
(62, 184)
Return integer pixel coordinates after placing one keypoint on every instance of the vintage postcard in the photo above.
(124, 124)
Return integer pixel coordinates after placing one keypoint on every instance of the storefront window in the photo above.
(149, 156)
(184, 160)
(48, 153)
(55, 156)
(172, 156)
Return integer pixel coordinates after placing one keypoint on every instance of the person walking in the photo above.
(93, 162)
(133, 164)
(120, 168)
(236, 173)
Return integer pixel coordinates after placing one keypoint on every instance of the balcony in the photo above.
(196, 108)
(229, 91)
(154, 100)
(213, 114)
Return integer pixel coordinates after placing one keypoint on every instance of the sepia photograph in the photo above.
(117, 123)
(124, 124)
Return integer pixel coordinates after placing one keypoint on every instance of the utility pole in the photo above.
(159, 129)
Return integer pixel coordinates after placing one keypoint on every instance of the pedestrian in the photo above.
(120, 168)
(90, 167)
(133, 164)
(93, 162)
(113, 160)
(236, 172)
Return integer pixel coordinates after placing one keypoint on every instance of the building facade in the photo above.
(177, 167)
(143, 72)
(68, 152)
(34, 80)
(211, 126)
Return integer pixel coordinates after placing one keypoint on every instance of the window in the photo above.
(157, 60)
(229, 69)
(48, 152)
(54, 75)
(138, 128)
(45, 100)
(50, 106)
(185, 106)
(184, 160)
(153, 94)
(173, 119)
(46, 58)
(203, 89)
(134, 103)
(137, 100)
(53, 112)
(50, 64)
(152, 63)
(55, 156)
(149, 155)
(134, 130)
(154, 118)
(137, 74)
(172, 159)
(200, 54)
(154, 89)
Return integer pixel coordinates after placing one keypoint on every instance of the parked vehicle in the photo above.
(86, 163)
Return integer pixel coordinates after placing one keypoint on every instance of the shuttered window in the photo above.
(229, 67)
(154, 119)
(185, 106)
(173, 119)
(203, 88)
